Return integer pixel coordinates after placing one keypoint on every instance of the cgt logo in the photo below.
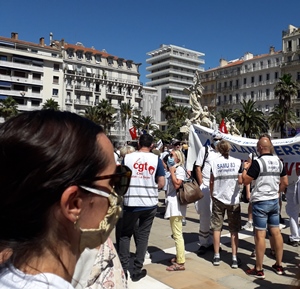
(141, 167)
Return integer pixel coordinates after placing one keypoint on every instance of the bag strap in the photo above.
(205, 157)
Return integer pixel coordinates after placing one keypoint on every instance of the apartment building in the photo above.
(291, 60)
(172, 69)
(249, 77)
(30, 73)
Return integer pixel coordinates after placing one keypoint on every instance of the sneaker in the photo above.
(293, 243)
(147, 255)
(255, 273)
(248, 226)
(216, 261)
(236, 263)
(278, 269)
(139, 275)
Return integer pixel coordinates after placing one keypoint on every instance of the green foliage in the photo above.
(250, 120)
(51, 104)
(8, 108)
(168, 107)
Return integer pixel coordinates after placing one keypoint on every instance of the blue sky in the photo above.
(131, 28)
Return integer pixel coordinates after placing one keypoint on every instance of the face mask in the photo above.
(215, 142)
(92, 238)
(170, 162)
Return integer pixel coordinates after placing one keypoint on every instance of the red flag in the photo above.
(222, 127)
(133, 133)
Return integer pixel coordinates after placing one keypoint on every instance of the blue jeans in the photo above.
(145, 219)
(265, 213)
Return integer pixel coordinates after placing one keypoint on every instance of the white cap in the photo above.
(216, 135)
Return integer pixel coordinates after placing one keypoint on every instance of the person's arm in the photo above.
(176, 182)
(161, 182)
(211, 185)
(284, 182)
(246, 178)
(199, 175)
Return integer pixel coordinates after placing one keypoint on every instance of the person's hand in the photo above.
(246, 165)
(172, 169)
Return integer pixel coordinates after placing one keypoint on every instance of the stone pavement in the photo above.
(200, 273)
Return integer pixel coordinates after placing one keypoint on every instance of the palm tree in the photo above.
(168, 107)
(277, 122)
(286, 89)
(8, 108)
(51, 104)
(144, 123)
(92, 113)
(106, 114)
(250, 120)
(126, 110)
(222, 114)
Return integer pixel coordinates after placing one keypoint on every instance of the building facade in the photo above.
(30, 73)
(172, 69)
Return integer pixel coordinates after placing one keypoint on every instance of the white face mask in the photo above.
(92, 238)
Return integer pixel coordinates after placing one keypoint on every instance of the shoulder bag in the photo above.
(189, 191)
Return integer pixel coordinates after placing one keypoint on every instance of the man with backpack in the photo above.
(203, 207)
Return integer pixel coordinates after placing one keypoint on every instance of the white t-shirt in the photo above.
(12, 278)
(173, 206)
(212, 154)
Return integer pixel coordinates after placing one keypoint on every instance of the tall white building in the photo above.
(30, 73)
(172, 69)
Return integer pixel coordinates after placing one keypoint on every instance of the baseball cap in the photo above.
(216, 135)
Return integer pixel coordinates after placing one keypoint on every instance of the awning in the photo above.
(5, 84)
(88, 70)
(70, 67)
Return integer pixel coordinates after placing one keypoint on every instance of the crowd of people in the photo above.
(65, 187)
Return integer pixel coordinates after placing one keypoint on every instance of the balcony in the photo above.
(83, 102)
(15, 65)
(68, 101)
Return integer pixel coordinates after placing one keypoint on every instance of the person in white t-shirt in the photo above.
(224, 187)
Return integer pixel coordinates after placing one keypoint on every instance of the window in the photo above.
(56, 66)
(88, 56)
(237, 98)
(252, 79)
(268, 76)
(120, 62)
(70, 53)
(289, 59)
(252, 95)
(36, 76)
(36, 89)
(98, 58)
(230, 83)
(237, 83)
(55, 79)
(79, 54)
(276, 75)
(246, 66)
(267, 92)
(245, 80)
(269, 63)
(129, 64)
(55, 92)
(261, 64)
(3, 57)
(225, 84)
(110, 61)
(260, 78)
(298, 75)
(225, 98)
(253, 65)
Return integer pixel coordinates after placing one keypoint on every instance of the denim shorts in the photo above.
(265, 213)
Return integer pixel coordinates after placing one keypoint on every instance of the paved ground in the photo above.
(200, 273)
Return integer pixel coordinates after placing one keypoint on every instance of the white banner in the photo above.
(288, 149)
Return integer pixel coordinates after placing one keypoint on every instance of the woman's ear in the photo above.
(71, 203)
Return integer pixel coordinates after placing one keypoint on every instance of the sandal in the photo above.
(173, 260)
(176, 267)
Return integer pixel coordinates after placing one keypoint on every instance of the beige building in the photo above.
(291, 60)
(30, 73)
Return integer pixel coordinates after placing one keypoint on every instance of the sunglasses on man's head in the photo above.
(120, 179)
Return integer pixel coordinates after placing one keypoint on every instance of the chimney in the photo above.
(14, 35)
(272, 50)
(223, 62)
(42, 41)
(51, 38)
(62, 42)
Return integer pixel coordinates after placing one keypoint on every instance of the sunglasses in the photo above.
(120, 181)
